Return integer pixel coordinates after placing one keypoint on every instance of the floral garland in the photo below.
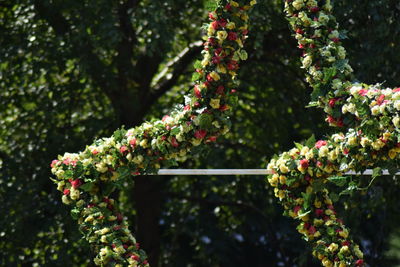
(87, 179)
(372, 140)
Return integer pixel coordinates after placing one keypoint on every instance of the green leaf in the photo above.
(87, 187)
(195, 76)
(75, 213)
(311, 141)
(376, 172)
(338, 180)
(334, 197)
(175, 131)
(205, 120)
(298, 146)
(211, 4)
(197, 64)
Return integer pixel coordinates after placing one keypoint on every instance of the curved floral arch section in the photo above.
(87, 179)
(370, 115)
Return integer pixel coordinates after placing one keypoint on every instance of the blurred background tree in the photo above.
(72, 71)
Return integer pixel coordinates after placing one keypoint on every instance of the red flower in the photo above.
(346, 151)
(312, 230)
(232, 36)
(211, 15)
(363, 92)
(209, 78)
(218, 51)
(215, 25)
(360, 262)
(332, 102)
(135, 257)
(296, 209)
(197, 92)
(220, 90)
(314, 9)
(304, 163)
(76, 183)
(66, 192)
(320, 144)
(223, 107)
(299, 31)
(216, 60)
(335, 40)
(245, 32)
(174, 143)
(380, 100)
(187, 107)
(228, 6)
(200, 134)
(212, 138)
(232, 65)
(319, 212)
(346, 243)
(396, 90)
(222, 22)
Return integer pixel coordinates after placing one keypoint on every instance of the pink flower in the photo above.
(66, 192)
(212, 138)
(132, 142)
(123, 149)
(312, 230)
(200, 134)
(396, 90)
(53, 163)
(363, 92)
(165, 117)
(320, 144)
(174, 143)
(76, 183)
(95, 152)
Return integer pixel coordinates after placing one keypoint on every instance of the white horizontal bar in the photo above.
(213, 172)
(237, 172)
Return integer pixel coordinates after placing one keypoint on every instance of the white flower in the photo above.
(397, 104)
(323, 151)
(298, 4)
(396, 121)
(307, 61)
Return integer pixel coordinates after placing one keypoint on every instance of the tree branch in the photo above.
(166, 79)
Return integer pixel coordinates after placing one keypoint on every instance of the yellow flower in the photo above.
(230, 25)
(253, 2)
(221, 35)
(214, 103)
(221, 68)
(333, 247)
(234, 4)
(392, 153)
(344, 233)
(282, 179)
(283, 168)
(215, 76)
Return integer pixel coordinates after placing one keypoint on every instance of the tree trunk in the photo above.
(147, 196)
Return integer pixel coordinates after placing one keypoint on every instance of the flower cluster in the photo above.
(86, 179)
(369, 112)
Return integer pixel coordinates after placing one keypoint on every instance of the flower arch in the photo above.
(87, 179)
(369, 114)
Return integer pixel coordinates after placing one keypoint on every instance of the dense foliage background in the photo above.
(72, 71)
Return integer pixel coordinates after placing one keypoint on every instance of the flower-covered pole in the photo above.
(87, 179)
(369, 112)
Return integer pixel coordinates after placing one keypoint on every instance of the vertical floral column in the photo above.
(87, 179)
(368, 113)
